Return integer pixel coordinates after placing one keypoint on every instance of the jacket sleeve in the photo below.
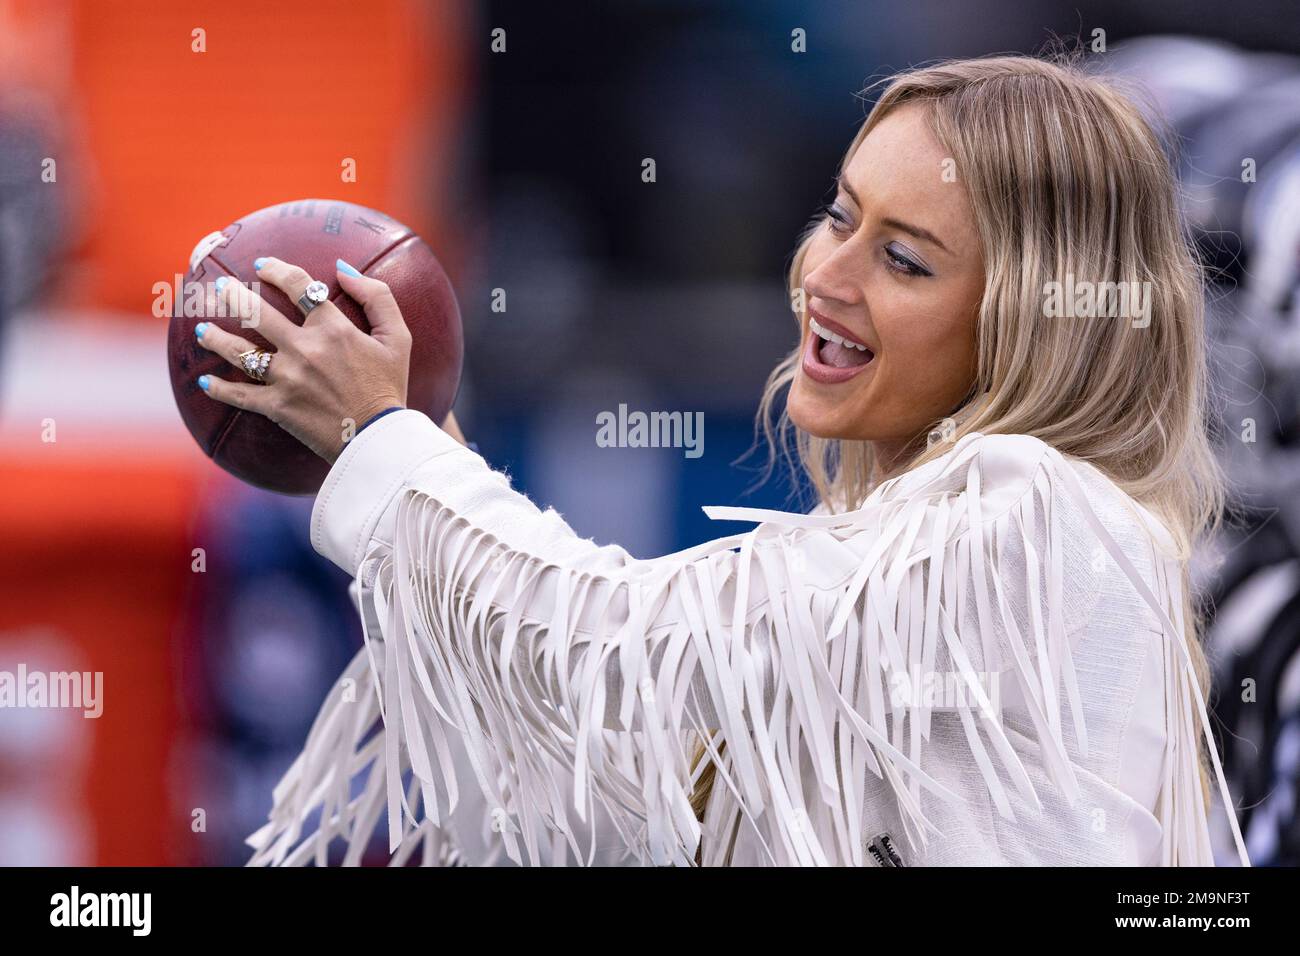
(578, 679)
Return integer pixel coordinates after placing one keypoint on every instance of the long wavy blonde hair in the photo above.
(1065, 177)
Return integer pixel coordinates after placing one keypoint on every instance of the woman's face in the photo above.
(897, 268)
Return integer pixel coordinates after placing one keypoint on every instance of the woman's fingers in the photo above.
(236, 300)
(253, 398)
(386, 322)
(228, 346)
(293, 281)
(324, 373)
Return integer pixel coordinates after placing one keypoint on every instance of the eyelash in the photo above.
(838, 222)
(903, 265)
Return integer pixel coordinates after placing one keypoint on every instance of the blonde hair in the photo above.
(1065, 177)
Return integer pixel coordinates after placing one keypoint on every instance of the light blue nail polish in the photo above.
(346, 269)
(203, 382)
(259, 262)
(198, 330)
(221, 283)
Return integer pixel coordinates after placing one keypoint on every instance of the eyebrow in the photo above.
(893, 223)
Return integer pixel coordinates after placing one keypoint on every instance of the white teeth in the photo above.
(830, 336)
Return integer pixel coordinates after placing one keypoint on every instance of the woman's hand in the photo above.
(327, 378)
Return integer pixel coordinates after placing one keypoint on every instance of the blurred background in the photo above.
(217, 628)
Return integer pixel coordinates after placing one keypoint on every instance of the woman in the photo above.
(979, 649)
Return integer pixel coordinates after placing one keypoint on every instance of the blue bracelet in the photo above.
(375, 418)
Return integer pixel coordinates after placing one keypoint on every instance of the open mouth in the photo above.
(836, 350)
(831, 356)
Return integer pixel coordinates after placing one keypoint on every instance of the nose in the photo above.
(837, 278)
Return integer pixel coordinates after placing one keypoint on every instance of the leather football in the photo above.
(311, 233)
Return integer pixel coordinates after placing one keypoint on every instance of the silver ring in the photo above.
(315, 293)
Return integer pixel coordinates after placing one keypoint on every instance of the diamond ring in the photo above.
(255, 362)
(315, 293)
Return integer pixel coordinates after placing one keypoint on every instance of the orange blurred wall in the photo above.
(183, 142)
(158, 146)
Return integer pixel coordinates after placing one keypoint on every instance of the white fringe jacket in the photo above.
(984, 663)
